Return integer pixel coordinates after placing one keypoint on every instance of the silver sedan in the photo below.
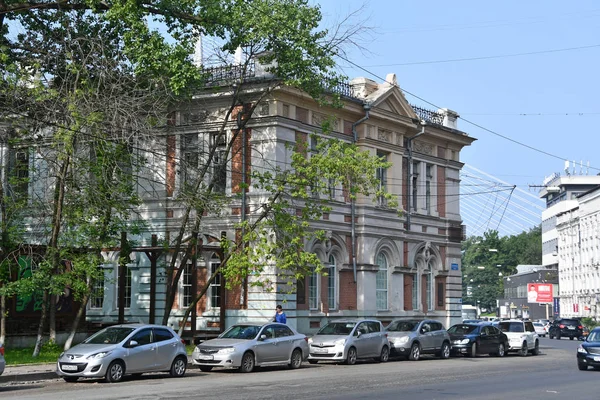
(246, 346)
(124, 349)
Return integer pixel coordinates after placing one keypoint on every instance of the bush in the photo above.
(589, 322)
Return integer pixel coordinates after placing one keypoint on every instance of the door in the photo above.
(376, 336)
(284, 343)
(362, 342)
(166, 348)
(437, 331)
(266, 349)
(486, 340)
(142, 357)
(426, 336)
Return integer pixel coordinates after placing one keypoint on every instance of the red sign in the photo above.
(539, 293)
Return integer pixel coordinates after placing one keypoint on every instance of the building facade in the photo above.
(515, 302)
(378, 264)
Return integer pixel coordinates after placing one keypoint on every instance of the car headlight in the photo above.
(310, 340)
(464, 341)
(99, 355)
(340, 342)
(401, 340)
(581, 349)
(226, 350)
(61, 355)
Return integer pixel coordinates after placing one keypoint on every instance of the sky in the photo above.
(547, 99)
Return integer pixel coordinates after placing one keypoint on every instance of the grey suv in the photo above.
(410, 338)
(348, 340)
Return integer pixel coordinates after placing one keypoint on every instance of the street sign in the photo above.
(454, 266)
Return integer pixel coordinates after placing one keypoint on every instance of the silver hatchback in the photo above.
(411, 338)
(246, 346)
(124, 349)
(349, 340)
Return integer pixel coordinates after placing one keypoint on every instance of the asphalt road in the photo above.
(553, 374)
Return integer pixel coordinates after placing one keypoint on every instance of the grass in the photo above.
(48, 353)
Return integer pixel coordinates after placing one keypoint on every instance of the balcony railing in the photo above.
(431, 116)
(229, 73)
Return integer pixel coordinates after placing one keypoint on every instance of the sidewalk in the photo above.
(29, 372)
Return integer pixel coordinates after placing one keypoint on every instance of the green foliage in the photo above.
(488, 258)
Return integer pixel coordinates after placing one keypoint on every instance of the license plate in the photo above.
(201, 357)
(571, 327)
(317, 350)
(596, 358)
(69, 367)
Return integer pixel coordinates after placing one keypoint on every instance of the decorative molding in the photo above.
(422, 147)
(384, 135)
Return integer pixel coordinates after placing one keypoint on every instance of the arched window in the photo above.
(313, 289)
(382, 282)
(331, 283)
(429, 287)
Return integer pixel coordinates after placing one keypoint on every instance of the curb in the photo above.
(27, 377)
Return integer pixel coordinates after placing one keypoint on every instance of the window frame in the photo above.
(382, 272)
(313, 286)
(332, 287)
(215, 286)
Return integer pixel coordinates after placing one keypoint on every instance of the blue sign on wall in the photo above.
(454, 267)
(556, 306)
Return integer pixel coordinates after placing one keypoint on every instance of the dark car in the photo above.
(473, 339)
(566, 327)
(588, 352)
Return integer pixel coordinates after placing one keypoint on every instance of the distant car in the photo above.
(473, 339)
(246, 346)
(521, 337)
(471, 321)
(2, 360)
(566, 327)
(588, 352)
(118, 350)
(348, 340)
(539, 329)
(410, 338)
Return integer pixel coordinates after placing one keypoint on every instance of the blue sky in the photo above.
(558, 91)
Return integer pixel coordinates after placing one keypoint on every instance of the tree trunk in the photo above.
(2, 319)
(40, 332)
(52, 319)
(78, 316)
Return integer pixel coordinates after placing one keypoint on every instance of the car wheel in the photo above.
(296, 360)
(351, 358)
(501, 350)
(178, 367)
(70, 379)
(445, 351)
(247, 362)
(205, 368)
(523, 352)
(385, 354)
(536, 349)
(558, 336)
(313, 361)
(415, 352)
(550, 336)
(115, 372)
(582, 366)
(473, 351)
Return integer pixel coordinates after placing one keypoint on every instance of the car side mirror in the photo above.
(422, 331)
(263, 337)
(133, 343)
(483, 334)
(358, 333)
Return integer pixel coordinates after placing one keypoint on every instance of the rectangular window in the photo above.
(127, 298)
(186, 284)
(415, 292)
(301, 291)
(313, 290)
(215, 286)
(21, 173)
(190, 157)
(382, 178)
(331, 284)
(441, 296)
(219, 169)
(97, 295)
(415, 185)
(428, 180)
(331, 187)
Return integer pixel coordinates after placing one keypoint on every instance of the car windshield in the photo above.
(112, 335)
(463, 329)
(337, 328)
(594, 336)
(511, 327)
(241, 332)
(569, 322)
(538, 324)
(403, 326)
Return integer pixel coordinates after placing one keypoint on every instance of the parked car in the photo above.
(246, 346)
(2, 360)
(566, 327)
(521, 337)
(118, 350)
(539, 329)
(348, 340)
(473, 339)
(412, 338)
(588, 352)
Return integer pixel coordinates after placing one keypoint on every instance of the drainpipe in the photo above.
(410, 172)
(367, 107)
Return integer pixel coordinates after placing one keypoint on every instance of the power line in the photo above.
(485, 57)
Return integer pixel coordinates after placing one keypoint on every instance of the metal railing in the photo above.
(431, 116)
(230, 73)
